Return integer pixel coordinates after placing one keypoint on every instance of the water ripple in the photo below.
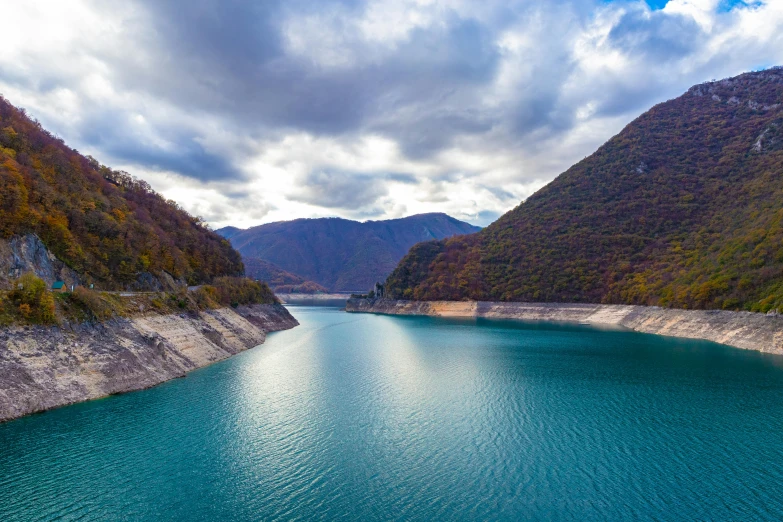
(383, 418)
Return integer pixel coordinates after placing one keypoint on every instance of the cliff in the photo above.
(46, 367)
(746, 330)
(27, 253)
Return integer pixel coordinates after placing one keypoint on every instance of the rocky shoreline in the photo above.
(746, 330)
(46, 367)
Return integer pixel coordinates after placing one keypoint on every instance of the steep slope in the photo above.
(683, 208)
(270, 273)
(341, 254)
(45, 367)
(277, 278)
(111, 229)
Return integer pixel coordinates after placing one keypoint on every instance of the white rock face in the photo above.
(46, 367)
(745, 330)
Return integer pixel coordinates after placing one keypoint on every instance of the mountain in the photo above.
(107, 227)
(229, 232)
(340, 254)
(683, 208)
(271, 273)
(278, 279)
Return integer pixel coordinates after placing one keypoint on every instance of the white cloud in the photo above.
(362, 110)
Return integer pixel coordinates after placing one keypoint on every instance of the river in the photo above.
(369, 417)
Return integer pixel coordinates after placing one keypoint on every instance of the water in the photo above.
(363, 417)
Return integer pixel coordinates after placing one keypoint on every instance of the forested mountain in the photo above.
(683, 208)
(109, 227)
(340, 254)
(277, 278)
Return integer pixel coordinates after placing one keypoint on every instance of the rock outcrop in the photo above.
(750, 331)
(27, 253)
(46, 367)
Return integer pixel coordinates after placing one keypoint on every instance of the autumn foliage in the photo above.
(30, 301)
(97, 305)
(683, 208)
(234, 291)
(105, 224)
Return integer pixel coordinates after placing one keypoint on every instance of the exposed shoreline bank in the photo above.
(42, 368)
(315, 298)
(746, 330)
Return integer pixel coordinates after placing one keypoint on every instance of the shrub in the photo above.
(34, 302)
(237, 291)
(206, 297)
(6, 314)
(93, 302)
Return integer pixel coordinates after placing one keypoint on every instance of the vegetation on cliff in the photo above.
(683, 208)
(31, 302)
(104, 224)
(234, 291)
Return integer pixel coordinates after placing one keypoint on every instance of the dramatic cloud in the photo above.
(339, 190)
(247, 112)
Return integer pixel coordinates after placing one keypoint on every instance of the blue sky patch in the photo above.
(725, 5)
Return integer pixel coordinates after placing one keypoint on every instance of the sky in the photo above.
(248, 112)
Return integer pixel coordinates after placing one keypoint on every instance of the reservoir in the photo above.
(370, 417)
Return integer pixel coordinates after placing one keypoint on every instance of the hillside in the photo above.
(278, 279)
(107, 227)
(340, 254)
(683, 208)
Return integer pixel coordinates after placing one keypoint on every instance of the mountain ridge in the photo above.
(679, 209)
(341, 254)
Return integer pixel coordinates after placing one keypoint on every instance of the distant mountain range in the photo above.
(683, 208)
(338, 254)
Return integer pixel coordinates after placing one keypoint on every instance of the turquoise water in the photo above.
(364, 417)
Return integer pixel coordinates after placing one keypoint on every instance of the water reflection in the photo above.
(363, 417)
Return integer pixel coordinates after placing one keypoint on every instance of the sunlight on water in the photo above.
(364, 417)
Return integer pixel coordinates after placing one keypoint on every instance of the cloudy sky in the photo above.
(250, 111)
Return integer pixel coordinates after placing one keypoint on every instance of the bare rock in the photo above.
(46, 367)
(745, 330)
(27, 253)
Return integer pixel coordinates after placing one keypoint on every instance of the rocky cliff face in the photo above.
(46, 367)
(27, 253)
(745, 330)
